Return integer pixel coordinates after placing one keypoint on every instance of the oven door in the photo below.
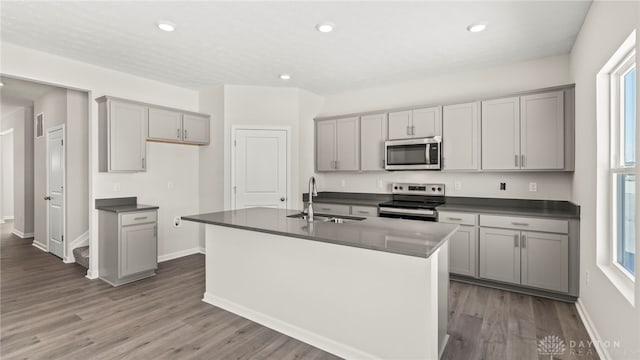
(414, 154)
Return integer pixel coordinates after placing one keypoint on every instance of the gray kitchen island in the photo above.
(367, 288)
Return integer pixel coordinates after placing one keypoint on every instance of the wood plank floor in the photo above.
(49, 310)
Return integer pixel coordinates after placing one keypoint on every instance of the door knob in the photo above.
(47, 197)
(282, 199)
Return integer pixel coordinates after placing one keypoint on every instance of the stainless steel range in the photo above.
(413, 201)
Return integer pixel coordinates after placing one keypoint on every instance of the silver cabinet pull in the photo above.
(185, 133)
(140, 218)
(155, 230)
(413, 130)
(516, 159)
(524, 241)
(522, 160)
(516, 240)
(143, 163)
(519, 224)
(455, 219)
(363, 212)
(178, 133)
(408, 130)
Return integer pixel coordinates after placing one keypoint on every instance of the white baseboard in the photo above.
(178, 254)
(5, 218)
(319, 341)
(201, 250)
(92, 275)
(603, 353)
(22, 235)
(40, 246)
(444, 347)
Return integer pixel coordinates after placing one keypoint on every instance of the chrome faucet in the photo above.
(313, 191)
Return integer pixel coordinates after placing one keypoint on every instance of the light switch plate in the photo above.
(533, 187)
(457, 185)
(116, 186)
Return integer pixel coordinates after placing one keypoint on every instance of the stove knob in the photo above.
(395, 188)
(433, 189)
(400, 187)
(439, 189)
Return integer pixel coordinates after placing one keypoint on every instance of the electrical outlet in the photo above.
(177, 222)
(533, 187)
(457, 185)
(503, 186)
(116, 186)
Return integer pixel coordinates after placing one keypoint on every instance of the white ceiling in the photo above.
(251, 43)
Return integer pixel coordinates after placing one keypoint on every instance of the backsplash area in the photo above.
(547, 186)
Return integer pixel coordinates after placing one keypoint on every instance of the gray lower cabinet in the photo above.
(128, 246)
(500, 255)
(342, 209)
(462, 251)
(545, 260)
(537, 258)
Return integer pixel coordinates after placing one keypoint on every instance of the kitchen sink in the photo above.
(327, 218)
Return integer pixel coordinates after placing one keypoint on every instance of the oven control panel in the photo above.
(418, 189)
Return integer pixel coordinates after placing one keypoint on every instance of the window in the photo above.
(623, 164)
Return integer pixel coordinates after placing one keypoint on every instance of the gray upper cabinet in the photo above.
(461, 136)
(338, 144)
(525, 133)
(373, 133)
(545, 261)
(122, 136)
(426, 122)
(164, 125)
(501, 134)
(500, 255)
(348, 144)
(195, 129)
(542, 131)
(325, 145)
(418, 123)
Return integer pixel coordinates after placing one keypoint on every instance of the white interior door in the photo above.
(55, 191)
(260, 176)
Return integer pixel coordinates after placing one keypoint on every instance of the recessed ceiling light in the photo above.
(325, 27)
(166, 25)
(477, 27)
(1, 84)
(285, 77)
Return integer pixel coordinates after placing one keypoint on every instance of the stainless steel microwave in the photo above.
(413, 154)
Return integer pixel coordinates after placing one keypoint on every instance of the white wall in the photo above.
(167, 163)
(449, 89)
(607, 25)
(21, 121)
(7, 176)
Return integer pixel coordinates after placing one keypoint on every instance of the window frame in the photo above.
(617, 166)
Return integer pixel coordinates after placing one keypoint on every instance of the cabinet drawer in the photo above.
(138, 218)
(525, 223)
(457, 218)
(364, 211)
(331, 209)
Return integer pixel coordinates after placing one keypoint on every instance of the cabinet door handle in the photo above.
(413, 130)
(363, 212)
(516, 240)
(143, 163)
(140, 218)
(516, 159)
(185, 133)
(455, 219)
(519, 224)
(155, 230)
(178, 133)
(408, 130)
(522, 161)
(524, 241)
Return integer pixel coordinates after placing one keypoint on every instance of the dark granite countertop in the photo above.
(405, 237)
(120, 205)
(515, 207)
